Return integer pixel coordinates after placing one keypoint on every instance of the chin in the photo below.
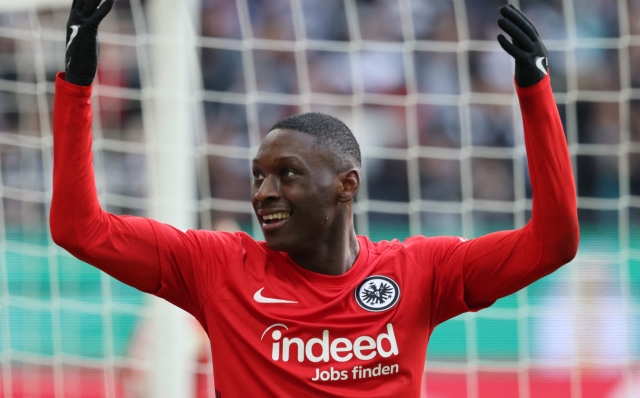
(282, 244)
(277, 244)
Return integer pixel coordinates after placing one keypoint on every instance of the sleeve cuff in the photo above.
(70, 88)
(535, 89)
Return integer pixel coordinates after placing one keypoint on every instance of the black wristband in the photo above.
(71, 78)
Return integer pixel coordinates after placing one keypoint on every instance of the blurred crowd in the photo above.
(434, 71)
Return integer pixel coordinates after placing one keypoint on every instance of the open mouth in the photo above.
(274, 220)
(269, 218)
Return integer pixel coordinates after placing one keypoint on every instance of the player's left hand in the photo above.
(83, 49)
(527, 47)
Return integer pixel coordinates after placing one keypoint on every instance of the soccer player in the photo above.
(314, 310)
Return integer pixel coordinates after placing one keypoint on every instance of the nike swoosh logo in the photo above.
(268, 300)
(540, 65)
(74, 33)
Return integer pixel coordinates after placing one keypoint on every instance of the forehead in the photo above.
(286, 143)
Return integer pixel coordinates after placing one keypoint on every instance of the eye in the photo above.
(287, 173)
(257, 176)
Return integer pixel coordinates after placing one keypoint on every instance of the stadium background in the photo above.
(429, 95)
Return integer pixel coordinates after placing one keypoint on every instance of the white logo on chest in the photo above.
(339, 349)
(258, 297)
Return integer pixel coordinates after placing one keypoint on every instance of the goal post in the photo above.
(170, 127)
(170, 117)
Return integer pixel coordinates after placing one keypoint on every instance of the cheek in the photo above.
(310, 201)
(322, 203)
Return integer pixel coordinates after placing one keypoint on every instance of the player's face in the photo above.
(294, 191)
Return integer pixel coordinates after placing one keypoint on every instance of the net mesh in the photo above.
(428, 93)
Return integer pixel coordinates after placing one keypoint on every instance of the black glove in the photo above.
(527, 47)
(81, 58)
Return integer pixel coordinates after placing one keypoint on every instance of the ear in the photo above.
(349, 185)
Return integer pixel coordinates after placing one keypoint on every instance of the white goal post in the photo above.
(171, 119)
(171, 127)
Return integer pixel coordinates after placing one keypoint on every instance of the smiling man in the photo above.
(305, 178)
(314, 310)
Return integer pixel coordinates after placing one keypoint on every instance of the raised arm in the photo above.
(182, 267)
(77, 221)
(124, 247)
(502, 263)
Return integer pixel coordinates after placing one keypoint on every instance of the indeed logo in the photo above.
(320, 349)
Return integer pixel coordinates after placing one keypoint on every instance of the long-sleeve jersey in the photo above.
(279, 330)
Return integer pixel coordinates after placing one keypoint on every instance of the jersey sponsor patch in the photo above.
(377, 293)
(285, 347)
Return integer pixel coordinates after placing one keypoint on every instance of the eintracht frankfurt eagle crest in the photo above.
(377, 293)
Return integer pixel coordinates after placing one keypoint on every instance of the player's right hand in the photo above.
(527, 47)
(83, 49)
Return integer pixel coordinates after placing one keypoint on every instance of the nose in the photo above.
(268, 189)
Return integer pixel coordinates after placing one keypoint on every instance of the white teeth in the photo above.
(276, 216)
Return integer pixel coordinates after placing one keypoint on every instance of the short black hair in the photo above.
(330, 133)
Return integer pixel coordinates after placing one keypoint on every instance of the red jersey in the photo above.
(279, 330)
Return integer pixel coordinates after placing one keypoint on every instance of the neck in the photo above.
(335, 255)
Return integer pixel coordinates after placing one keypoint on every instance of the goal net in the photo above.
(185, 93)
